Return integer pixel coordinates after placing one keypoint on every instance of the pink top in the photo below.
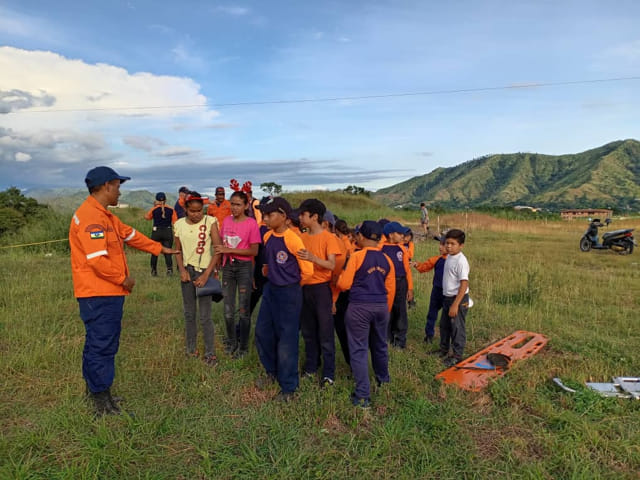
(239, 235)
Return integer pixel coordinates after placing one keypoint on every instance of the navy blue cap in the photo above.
(371, 230)
(329, 217)
(276, 204)
(183, 190)
(394, 227)
(101, 175)
(161, 197)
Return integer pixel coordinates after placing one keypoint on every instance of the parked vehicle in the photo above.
(620, 241)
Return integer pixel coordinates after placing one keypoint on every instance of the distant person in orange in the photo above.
(220, 207)
(163, 218)
(101, 279)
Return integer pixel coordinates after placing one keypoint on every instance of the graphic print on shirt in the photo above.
(202, 239)
(282, 257)
(232, 241)
(399, 255)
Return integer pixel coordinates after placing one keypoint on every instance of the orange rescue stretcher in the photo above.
(475, 372)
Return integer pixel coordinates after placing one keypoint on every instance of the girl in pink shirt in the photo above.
(240, 240)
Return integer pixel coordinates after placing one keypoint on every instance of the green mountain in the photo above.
(608, 176)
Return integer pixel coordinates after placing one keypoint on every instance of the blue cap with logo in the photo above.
(101, 175)
(394, 227)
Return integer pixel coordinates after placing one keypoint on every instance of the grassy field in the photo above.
(194, 422)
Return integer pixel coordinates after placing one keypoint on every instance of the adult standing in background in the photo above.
(220, 207)
(163, 218)
(179, 206)
(424, 218)
(101, 279)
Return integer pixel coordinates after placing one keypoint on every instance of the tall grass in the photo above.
(191, 421)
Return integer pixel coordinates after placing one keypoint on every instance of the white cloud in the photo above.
(235, 10)
(175, 151)
(22, 157)
(103, 89)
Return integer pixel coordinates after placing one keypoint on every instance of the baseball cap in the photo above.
(101, 175)
(183, 190)
(276, 204)
(161, 197)
(371, 230)
(329, 217)
(394, 227)
(219, 190)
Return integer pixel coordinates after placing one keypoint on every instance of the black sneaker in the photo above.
(154, 272)
(169, 272)
(103, 405)
(363, 403)
(264, 381)
(428, 339)
(326, 382)
(284, 397)
(239, 353)
(308, 376)
(450, 361)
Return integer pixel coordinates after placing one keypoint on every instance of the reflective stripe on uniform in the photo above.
(97, 254)
(133, 234)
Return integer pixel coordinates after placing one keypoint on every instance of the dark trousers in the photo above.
(191, 304)
(338, 321)
(237, 277)
(165, 237)
(278, 333)
(452, 329)
(102, 317)
(367, 330)
(317, 329)
(398, 321)
(259, 281)
(435, 305)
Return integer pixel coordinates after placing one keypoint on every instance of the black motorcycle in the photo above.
(620, 241)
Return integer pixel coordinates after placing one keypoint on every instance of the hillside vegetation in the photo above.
(608, 176)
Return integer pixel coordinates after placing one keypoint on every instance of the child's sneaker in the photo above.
(363, 403)
(210, 360)
(451, 361)
(326, 382)
(284, 397)
(308, 376)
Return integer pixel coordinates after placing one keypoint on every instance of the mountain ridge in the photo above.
(606, 176)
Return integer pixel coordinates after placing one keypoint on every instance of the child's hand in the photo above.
(265, 270)
(184, 276)
(410, 296)
(305, 255)
(453, 311)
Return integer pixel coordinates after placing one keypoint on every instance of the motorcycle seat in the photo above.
(616, 233)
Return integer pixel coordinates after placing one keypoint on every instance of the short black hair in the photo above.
(342, 227)
(456, 234)
(314, 207)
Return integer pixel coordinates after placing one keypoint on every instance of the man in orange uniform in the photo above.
(220, 207)
(101, 279)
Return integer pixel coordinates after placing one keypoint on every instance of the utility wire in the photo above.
(337, 99)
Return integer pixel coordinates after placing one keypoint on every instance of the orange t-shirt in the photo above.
(221, 211)
(321, 245)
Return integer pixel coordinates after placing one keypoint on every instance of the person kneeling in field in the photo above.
(278, 324)
(370, 277)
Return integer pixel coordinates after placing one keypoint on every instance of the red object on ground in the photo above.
(475, 372)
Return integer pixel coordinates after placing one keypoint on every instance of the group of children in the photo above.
(316, 277)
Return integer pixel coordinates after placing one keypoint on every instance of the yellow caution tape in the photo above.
(36, 243)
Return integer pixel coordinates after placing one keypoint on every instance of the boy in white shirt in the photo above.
(455, 289)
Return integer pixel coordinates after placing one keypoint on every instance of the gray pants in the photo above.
(190, 303)
(452, 329)
(237, 277)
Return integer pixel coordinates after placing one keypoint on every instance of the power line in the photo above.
(337, 99)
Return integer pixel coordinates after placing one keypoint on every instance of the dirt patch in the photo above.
(252, 396)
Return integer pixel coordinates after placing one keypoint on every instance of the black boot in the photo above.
(102, 404)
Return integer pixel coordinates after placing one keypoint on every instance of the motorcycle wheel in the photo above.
(585, 244)
(628, 248)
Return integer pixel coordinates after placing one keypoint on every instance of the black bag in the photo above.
(213, 287)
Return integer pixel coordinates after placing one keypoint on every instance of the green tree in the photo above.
(16, 210)
(355, 190)
(271, 188)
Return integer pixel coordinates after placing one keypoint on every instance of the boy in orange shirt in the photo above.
(321, 249)
(220, 207)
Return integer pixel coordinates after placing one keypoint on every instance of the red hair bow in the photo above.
(234, 185)
(246, 187)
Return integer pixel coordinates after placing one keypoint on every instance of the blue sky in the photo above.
(73, 71)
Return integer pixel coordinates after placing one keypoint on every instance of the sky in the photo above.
(309, 95)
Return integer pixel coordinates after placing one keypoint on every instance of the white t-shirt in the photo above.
(456, 269)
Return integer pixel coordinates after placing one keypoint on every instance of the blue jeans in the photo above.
(237, 276)
(102, 317)
(277, 333)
